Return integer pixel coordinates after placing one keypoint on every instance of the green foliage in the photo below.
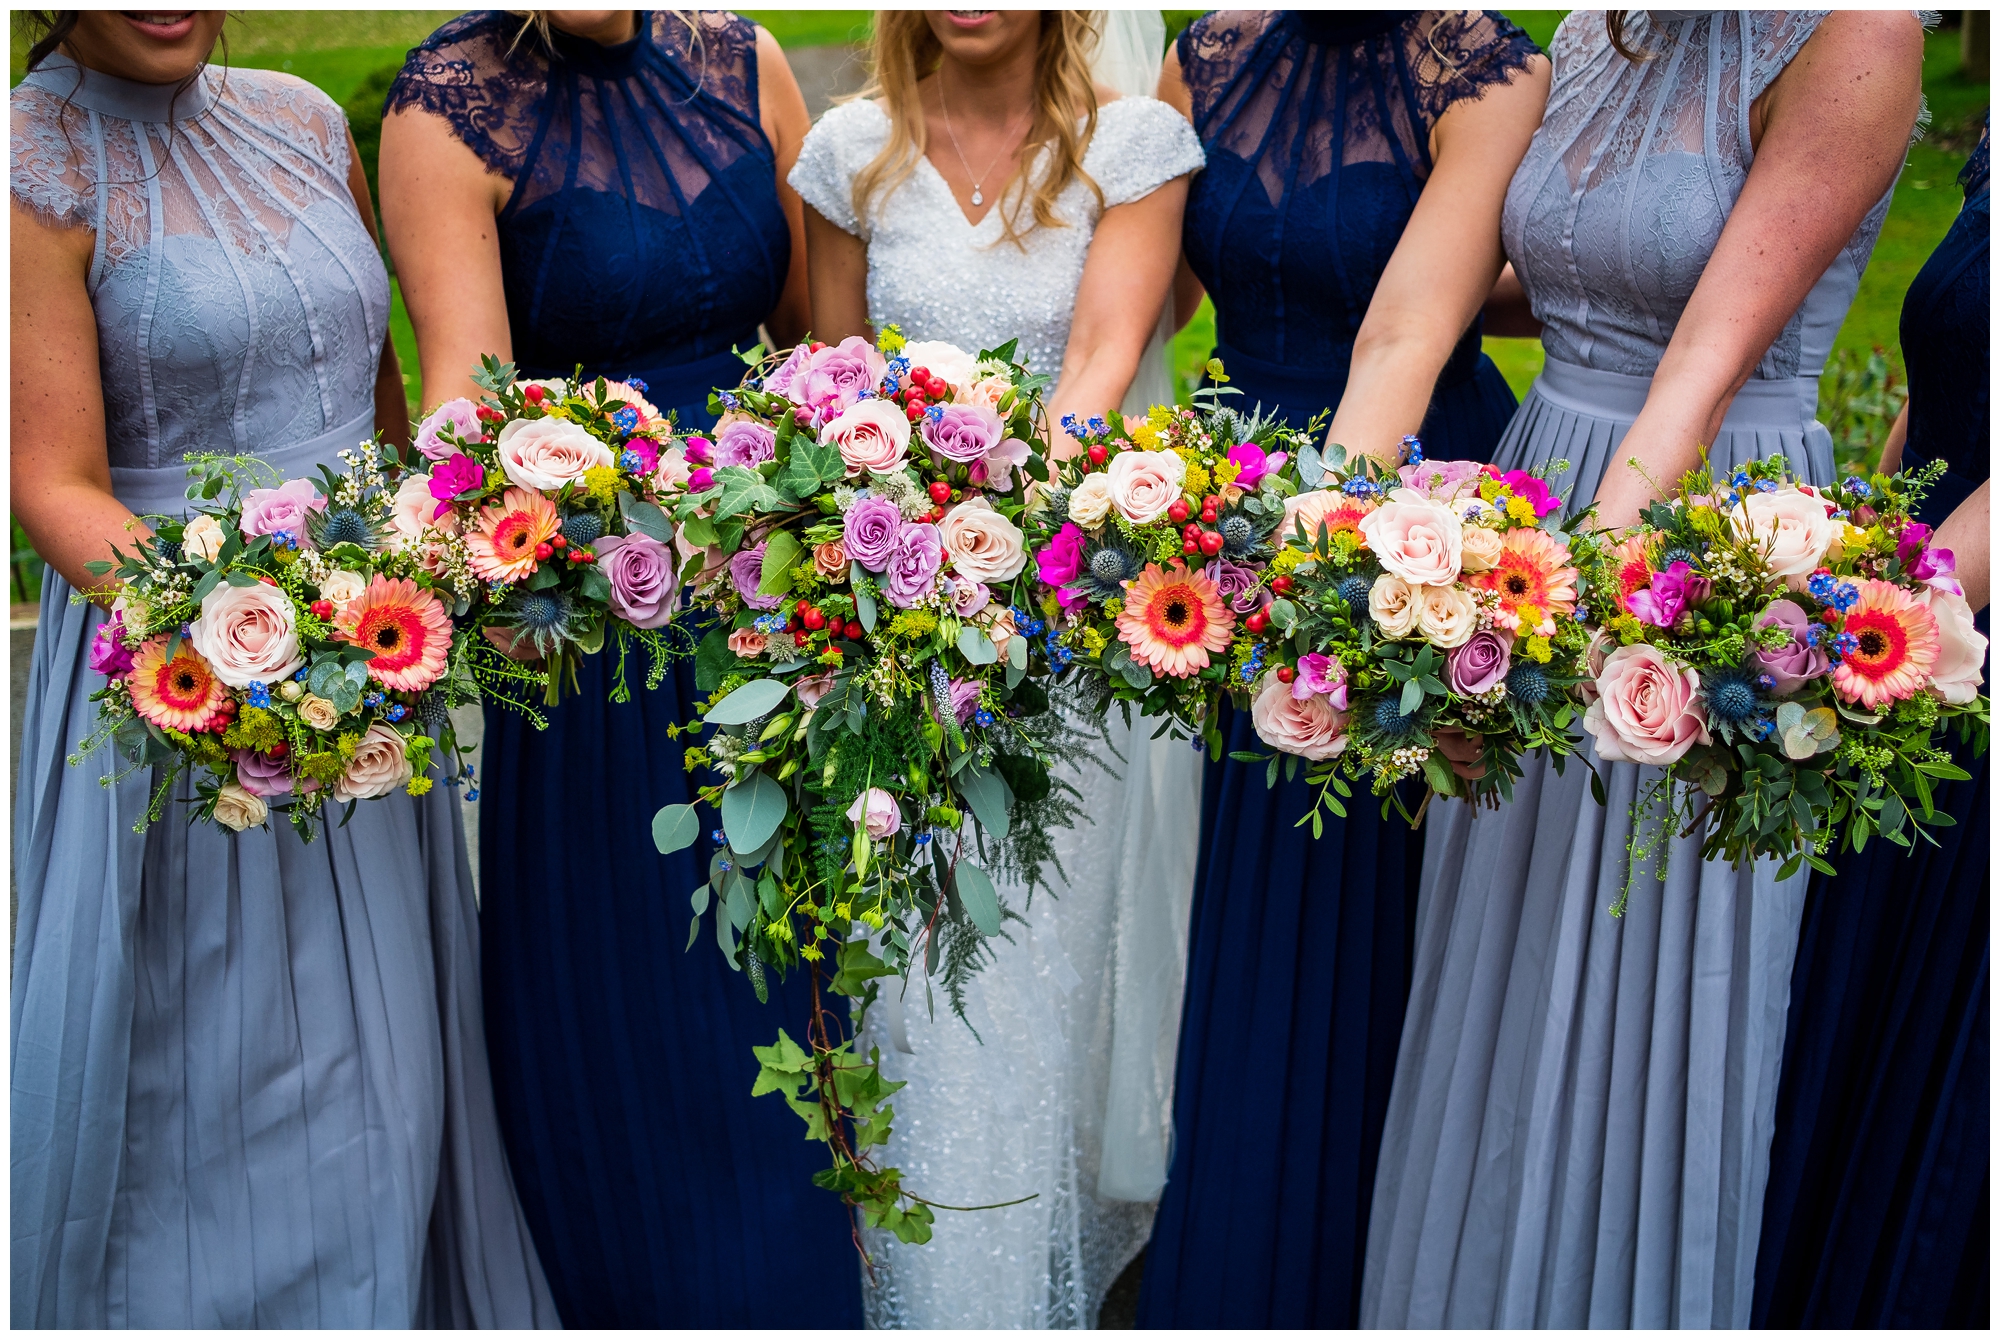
(1860, 397)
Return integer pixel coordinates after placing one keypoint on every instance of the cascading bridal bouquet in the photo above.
(882, 736)
(1426, 630)
(1790, 656)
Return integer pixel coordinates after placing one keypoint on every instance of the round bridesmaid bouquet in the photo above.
(1790, 655)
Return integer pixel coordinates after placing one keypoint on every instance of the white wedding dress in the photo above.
(1066, 1092)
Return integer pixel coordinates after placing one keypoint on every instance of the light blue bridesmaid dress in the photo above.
(249, 1084)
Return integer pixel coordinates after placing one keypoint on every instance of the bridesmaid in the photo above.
(248, 1084)
(607, 188)
(1348, 228)
(1877, 1210)
(1582, 1112)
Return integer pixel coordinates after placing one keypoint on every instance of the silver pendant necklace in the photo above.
(978, 198)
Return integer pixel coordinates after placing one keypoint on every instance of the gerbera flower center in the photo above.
(1515, 584)
(513, 535)
(1879, 643)
(1177, 613)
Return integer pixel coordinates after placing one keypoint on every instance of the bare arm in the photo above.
(392, 407)
(439, 205)
(1173, 91)
(1443, 268)
(1849, 99)
(1125, 280)
(839, 268)
(1892, 446)
(61, 466)
(1507, 312)
(782, 109)
(1968, 533)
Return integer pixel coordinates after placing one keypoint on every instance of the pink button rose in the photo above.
(1308, 727)
(1144, 484)
(268, 511)
(246, 633)
(873, 435)
(1421, 542)
(1648, 710)
(875, 810)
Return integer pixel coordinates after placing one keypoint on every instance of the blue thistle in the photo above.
(1238, 534)
(170, 550)
(347, 526)
(1390, 720)
(1528, 683)
(1731, 695)
(584, 527)
(1354, 590)
(431, 711)
(1676, 554)
(545, 616)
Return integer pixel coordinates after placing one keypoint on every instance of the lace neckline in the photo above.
(597, 60)
(126, 99)
(1346, 27)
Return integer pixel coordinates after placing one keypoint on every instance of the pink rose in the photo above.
(268, 511)
(969, 597)
(748, 642)
(1309, 727)
(836, 375)
(641, 572)
(411, 511)
(380, 765)
(875, 809)
(1144, 484)
(246, 634)
(1443, 481)
(545, 454)
(786, 380)
(460, 415)
(874, 435)
(1421, 542)
(1802, 659)
(830, 559)
(962, 433)
(1961, 659)
(982, 545)
(672, 472)
(996, 471)
(1647, 709)
(745, 442)
(812, 688)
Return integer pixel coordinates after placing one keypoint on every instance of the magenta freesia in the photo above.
(1252, 464)
(453, 476)
(648, 452)
(1062, 558)
(108, 654)
(701, 480)
(1320, 673)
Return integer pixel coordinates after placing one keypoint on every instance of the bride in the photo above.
(992, 184)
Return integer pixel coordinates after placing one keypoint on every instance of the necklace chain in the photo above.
(978, 181)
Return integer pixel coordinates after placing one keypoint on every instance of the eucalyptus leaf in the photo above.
(987, 794)
(747, 703)
(645, 519)
(976, 647)
(1413, 697)
(752, 811)
(864, 604)
(676, 827)
(975, 894)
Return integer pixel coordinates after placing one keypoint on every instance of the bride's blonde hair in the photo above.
(904, 51)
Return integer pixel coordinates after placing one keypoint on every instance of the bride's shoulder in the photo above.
(860, 122)
(1139, 144)
(841, 143)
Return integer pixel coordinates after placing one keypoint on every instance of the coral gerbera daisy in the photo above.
(407, 629)
(1533, 580)
(182, 694)
(1173, 619)
(1895, 646)
(1634, 572)
(502, 547)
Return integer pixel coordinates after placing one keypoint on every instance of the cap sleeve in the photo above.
(51, 170)
(1140, 145)
(1464, 53)
(1776, 38)
(844, 141)
(488, 89)
(1213, 50)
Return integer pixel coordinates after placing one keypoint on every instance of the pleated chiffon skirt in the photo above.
(1580, 1128)
(249, 1082)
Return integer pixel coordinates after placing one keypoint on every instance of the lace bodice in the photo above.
(1317, 128)
(1611, 218)
(241, 305)
(644, 229)
(941, 278)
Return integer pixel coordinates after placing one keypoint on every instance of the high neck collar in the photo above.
(109, 95)
(598, 60)
(1344, 27)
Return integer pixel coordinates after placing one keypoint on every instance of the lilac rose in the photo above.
(836, 376)
(962, 433)
(460, 415)
(1482, 662)
(913, 566)
(745, 442)
(1791, 665)
(1238, 584)
(262, 775)
(785, 381)
(746, 570)
(641, 572)
(965, 698)
(870, 534)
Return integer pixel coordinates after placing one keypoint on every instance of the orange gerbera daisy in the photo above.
(407, 629)
(1634, 572)
(1895, 646)
(1173, 619)
(182, 694)
(502, 546)
(1533, 580)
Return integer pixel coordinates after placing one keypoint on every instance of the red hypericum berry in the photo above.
(919, 376)
(488, 414)
(935, 388)
(533, 395)
(1281, 584)
(814, 620)
(1208, 514)
(543, 552)
(801, 608)
(1211, 503)
(1211, 542)
(1177, 511)
(1285, 673)
(855, 632)
(268, 581)
(940, 492)
(818, 345)
(1258, 621)
(915, 409)
(1190, 547)
(1098, 455)
(322, 609)
(278, 750)
(559, 540)
(800, 637)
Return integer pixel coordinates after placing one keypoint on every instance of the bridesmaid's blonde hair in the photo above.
(904, 51)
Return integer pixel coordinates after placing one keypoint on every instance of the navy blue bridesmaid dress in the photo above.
(1876, 1212)
(643, 239)
(1317, 133)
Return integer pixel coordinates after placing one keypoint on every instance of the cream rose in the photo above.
(1393, 605)
(236, 809)
(246, 634)
(1308, 727)
(342, 587)
(1479, 549)
(202, 539)
(1421, 542)
(1961, 648)
(1090, 501)
(872, 435)
(1144, 484)
(1648, 710)
(318, 712)
(378, 767)
(982, 544)
(545, 454)
(1790, 524)
(945, 361)
(1446, 616)
(1000, 627)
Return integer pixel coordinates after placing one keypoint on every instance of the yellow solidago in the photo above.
(418, 786)
(1520, 511)
(1628, 628)
(1113, 607)
(1491, 489)
(913, 624)
(1537, 649)
(603, 483)
(1225, 473)
(1197, 482)
(1093, 641)
(1287, 559)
